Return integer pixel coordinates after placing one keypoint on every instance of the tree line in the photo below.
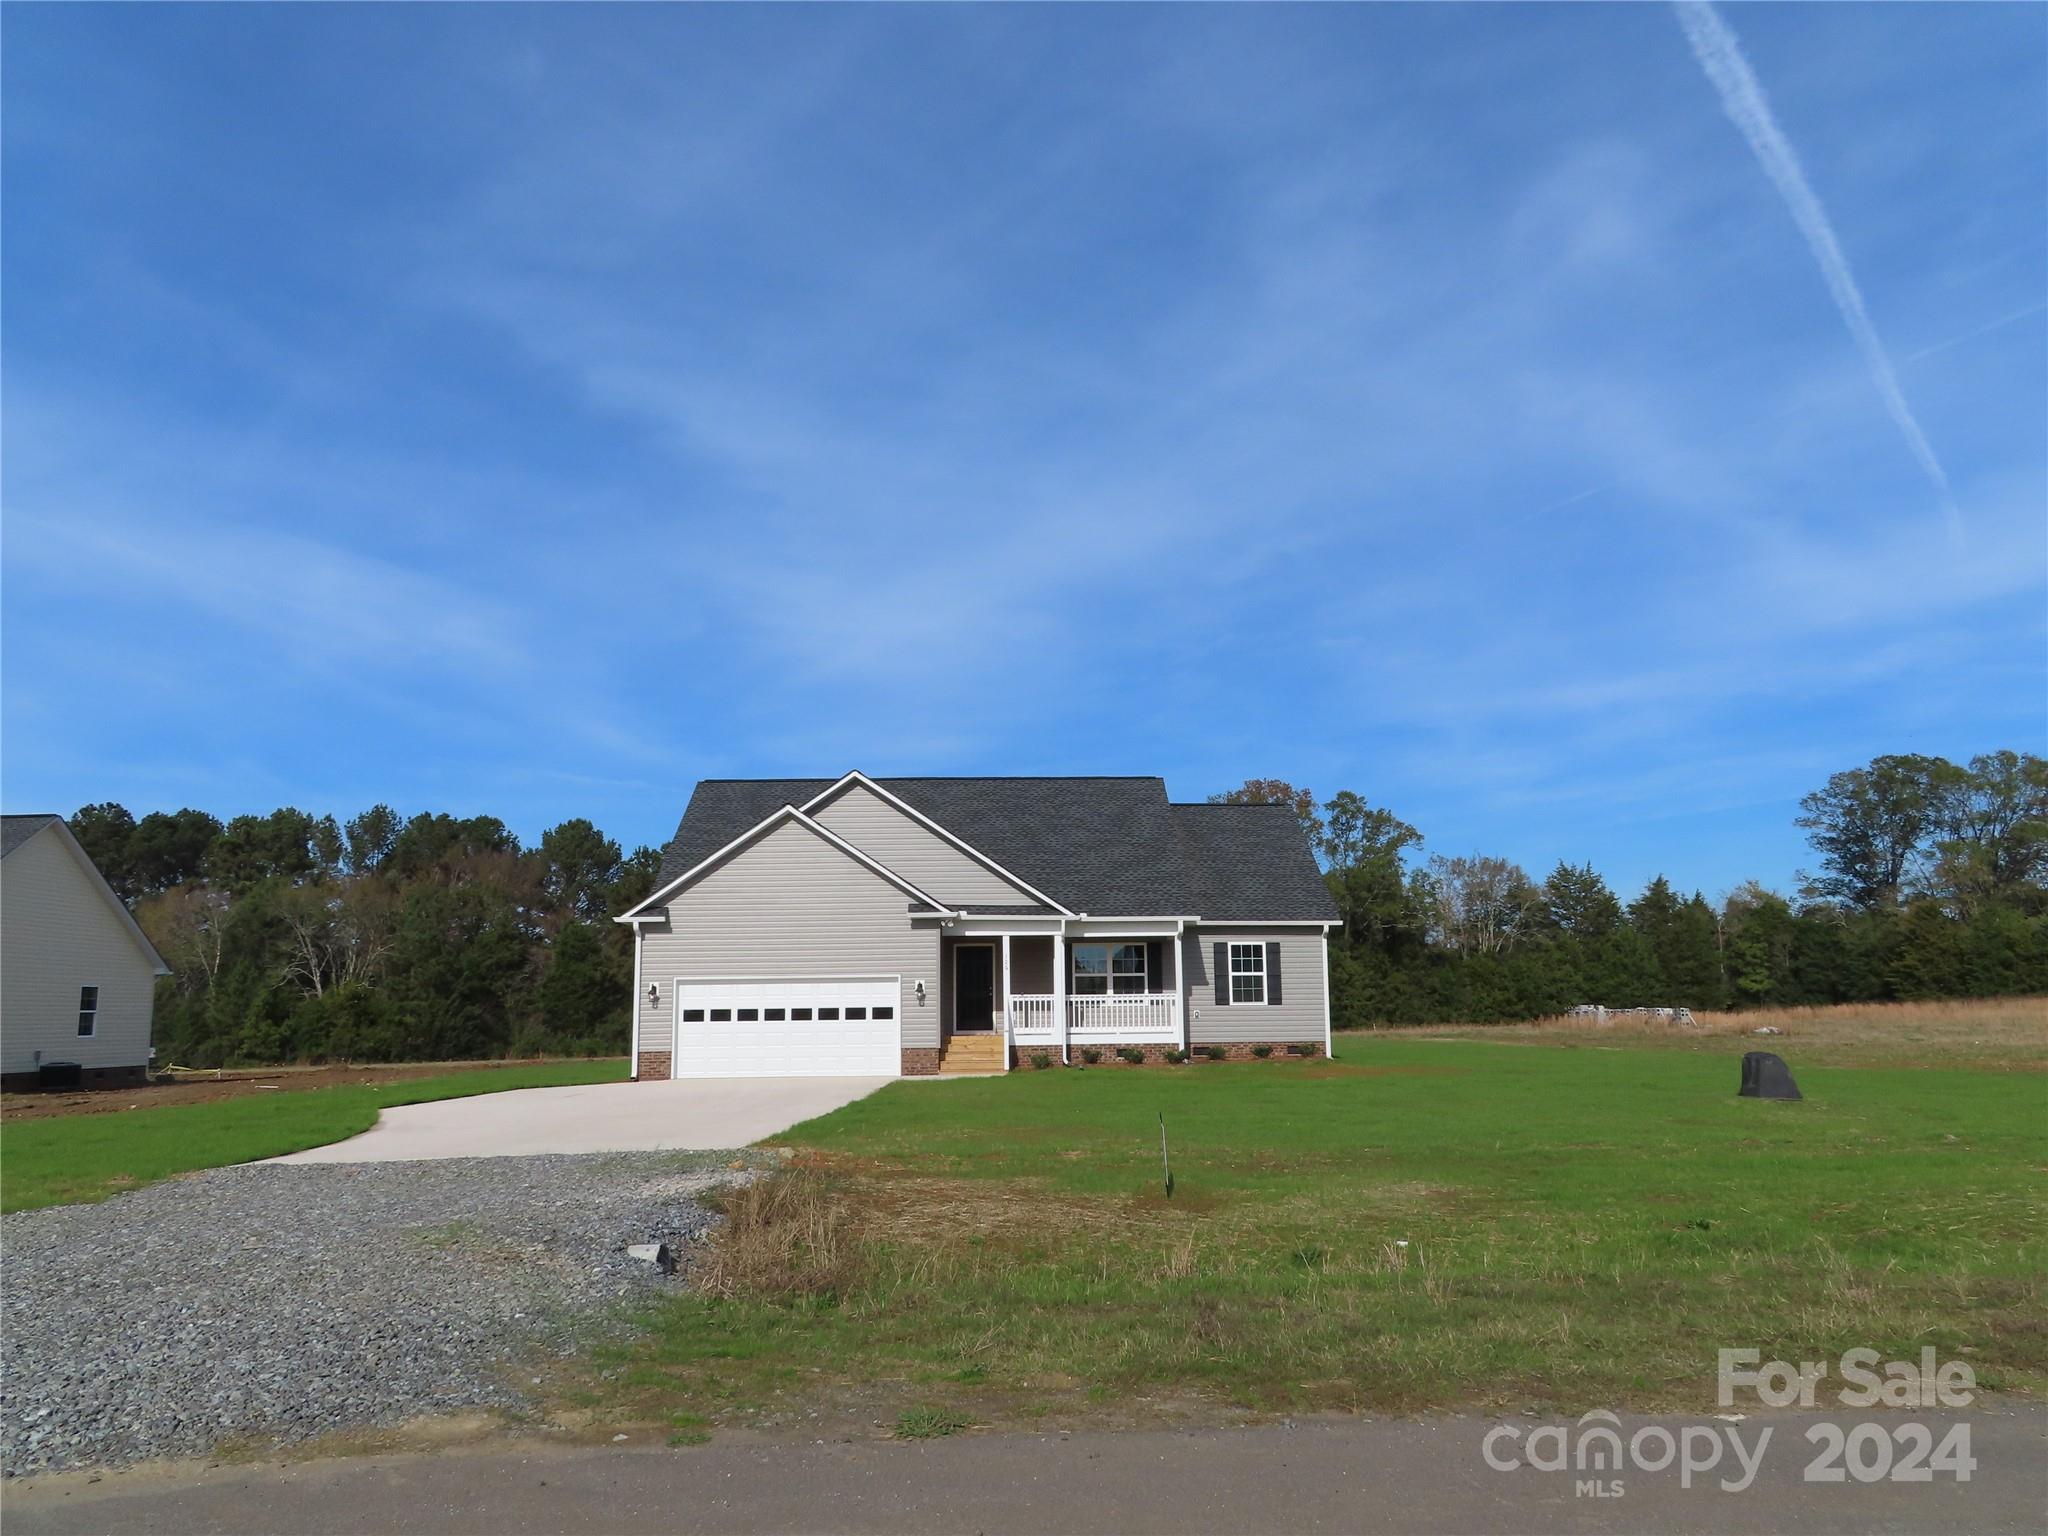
(1931, 882)
(294, 937)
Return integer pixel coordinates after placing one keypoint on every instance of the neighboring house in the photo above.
(861, 926)
(77, 978)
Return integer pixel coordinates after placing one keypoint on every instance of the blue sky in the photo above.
(532, 411)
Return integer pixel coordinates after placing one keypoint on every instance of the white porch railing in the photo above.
(1128, 1018)
(1031, 1018)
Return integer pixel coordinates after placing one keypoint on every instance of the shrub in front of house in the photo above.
(1040, 1060)
(1304, 1048)
(1215, 1052)
(1131, 1054)
(1091, 1054)
(1262, 1051)
(1176, 1056)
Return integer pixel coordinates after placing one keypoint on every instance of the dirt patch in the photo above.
(210, 1087)
(439, 1432)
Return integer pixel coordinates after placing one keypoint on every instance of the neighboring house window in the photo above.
(88, 1009)
(1102, 968)
(1247, 973)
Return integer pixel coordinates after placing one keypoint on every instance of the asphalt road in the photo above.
(1352, 1476)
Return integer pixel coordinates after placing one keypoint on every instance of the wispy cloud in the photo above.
(1742, 97)
(1320, 392)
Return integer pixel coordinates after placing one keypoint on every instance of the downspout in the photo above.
(634, 1073)
(1329, 1048)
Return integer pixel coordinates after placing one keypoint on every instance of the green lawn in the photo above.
(1582, 1227)
(70, 1158)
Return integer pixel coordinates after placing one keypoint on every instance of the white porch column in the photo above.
(1180, 985)
(1059, 988)
(1007, 1052)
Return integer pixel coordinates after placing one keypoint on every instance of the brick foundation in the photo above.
(88, 1077)
(1155, 1055)
(921, 1062)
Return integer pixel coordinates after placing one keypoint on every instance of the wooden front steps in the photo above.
(972, 1055)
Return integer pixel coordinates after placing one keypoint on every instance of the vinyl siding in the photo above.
(915, 852)
(1299, 1015)
(790, 905)
(57, 934)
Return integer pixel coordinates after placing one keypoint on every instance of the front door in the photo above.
(974, 987)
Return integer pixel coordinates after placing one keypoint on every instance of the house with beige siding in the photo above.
(77, 977)
(886, 927)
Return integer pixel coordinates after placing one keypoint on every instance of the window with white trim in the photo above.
(1103, 968)
(1247, 973)
(88, 1010)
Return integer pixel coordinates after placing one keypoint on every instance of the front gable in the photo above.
(891, 836)
(790, 900)
(63, 931)
(789, 818)
(794, 864)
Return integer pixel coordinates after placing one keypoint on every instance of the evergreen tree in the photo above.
(1691, 957)
(370, 838)
(1932, 958)
(105, 832)
(169, 849)
(580, 866)
(583, 1002)
(1758, 928)
(1622, 971)
(252, 849)
(1654, 914)
(1578, 904)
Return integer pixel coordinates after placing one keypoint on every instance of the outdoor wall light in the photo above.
(920, 991)
(653, 995)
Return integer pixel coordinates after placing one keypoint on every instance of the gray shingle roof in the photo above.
(1107, 846)
(1251, 863)
(16, 830)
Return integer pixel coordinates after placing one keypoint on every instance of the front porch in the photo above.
(1040, 991)
(1141, 1018)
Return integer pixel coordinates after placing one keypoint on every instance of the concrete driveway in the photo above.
(699, 1114)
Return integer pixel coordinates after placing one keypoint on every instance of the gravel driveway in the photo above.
(284, 1302)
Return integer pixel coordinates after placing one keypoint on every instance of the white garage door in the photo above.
(842, 1026)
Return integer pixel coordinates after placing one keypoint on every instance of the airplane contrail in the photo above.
(1714, 45)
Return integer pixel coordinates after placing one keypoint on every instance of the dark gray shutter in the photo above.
(1273, 973)
(1155, 966)
(1221, 970)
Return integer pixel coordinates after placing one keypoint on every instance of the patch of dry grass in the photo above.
(787, 1237)
(2009, 1033)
